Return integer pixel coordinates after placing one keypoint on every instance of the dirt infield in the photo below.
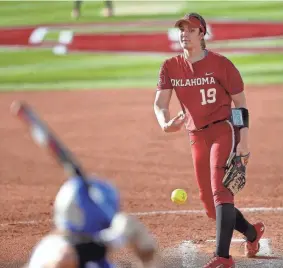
(115, 134)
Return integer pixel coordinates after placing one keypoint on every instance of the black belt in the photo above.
(207, 126)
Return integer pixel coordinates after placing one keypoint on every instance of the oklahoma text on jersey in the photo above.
(200, 81)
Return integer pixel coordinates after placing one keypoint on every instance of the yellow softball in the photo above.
(179, 196)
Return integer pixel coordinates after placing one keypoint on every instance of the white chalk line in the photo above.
(178, 212)
(160, 212)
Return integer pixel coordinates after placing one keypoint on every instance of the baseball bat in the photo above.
(43, 136)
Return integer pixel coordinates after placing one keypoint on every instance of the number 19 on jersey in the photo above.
(208, 96)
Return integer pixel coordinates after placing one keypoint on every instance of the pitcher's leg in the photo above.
(244, 227)
(224, 201)
(201, 156)
(225, 222)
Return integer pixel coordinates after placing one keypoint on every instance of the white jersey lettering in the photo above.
(199, 81)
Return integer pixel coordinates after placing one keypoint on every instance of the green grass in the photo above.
(38, 12)
(41, 70)
(245, 10)
(49, 12)
(52, 36)
(42, 67)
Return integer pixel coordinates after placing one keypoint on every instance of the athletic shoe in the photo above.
(219, 262)
(252, 248)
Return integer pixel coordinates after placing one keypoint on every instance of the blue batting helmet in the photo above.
(83, 209)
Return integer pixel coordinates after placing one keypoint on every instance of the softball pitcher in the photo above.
(206, 84)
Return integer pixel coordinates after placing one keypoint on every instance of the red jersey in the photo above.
(204, 88)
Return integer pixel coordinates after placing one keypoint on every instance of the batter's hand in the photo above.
(243, 151)
(175, 124)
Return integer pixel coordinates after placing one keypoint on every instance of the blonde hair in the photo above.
(202, 44)
(202, 41)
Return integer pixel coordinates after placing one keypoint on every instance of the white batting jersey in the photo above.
(47, 249)
(51, 246)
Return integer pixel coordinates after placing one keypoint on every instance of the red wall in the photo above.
(155, 42)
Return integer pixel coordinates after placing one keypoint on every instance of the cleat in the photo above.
(252, 248)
